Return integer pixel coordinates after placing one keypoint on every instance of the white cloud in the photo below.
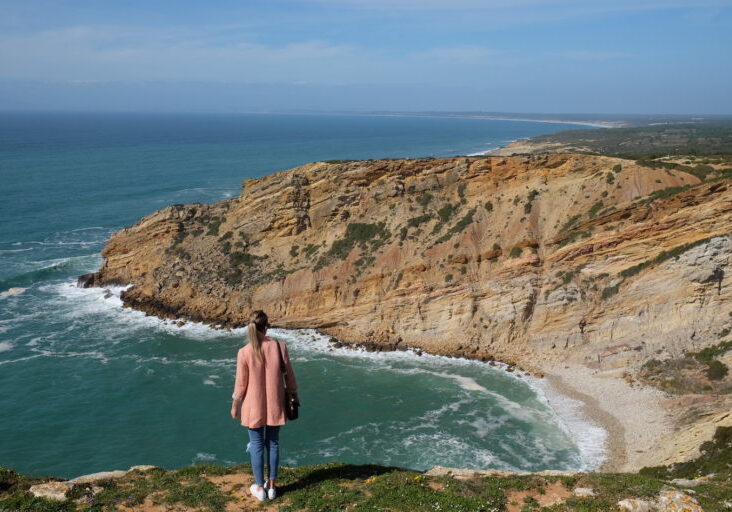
(594, 55)
(483, 5)
(471, 54)
(87, 54)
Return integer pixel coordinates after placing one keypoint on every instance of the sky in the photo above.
(533, 56)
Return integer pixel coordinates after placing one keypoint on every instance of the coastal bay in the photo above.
(67, 347)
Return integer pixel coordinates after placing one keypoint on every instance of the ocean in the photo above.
(89, 386)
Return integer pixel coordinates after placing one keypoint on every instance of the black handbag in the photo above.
(292, 402)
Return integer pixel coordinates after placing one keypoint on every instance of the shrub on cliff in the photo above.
(213, 226)
(715, 457)
(716, 370)
(366, 236)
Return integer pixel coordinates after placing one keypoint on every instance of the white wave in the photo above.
(204, 457)
(311, 341)
(21, 359)
(2, 251)
(55, 262)
(91, 228)
(83, 303)
(304, 344)
(6, 346)
(591, 439)
(12, 291)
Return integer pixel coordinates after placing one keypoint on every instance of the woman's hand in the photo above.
(236, 410)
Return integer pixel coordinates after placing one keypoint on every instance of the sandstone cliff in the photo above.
(590, 259)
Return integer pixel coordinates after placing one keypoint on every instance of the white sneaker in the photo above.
(271, 491)
(257, 493)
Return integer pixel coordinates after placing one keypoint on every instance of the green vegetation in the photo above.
(567, 277)
(716, 370)
(446, 212)
(529, 200)
(695, 372)
(369, 237)
(424, 199)
(617, 167)
(399, 278)
(711, 138)
(371, 488)
(488, 206)
(414, 222)
(294, 250)
(213, 225)
(244, 259)
(715, 458)
(610, 178)
(594, 209)
(310, 249)
(610, 291)
(570, 223)
(180, 253)
(661, 257)
(515, 252)
(574, 236)
(664, 193)
(460, 225)
(461, 192)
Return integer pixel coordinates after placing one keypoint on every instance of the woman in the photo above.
(258, 399)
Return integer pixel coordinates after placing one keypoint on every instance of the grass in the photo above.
(370, 488)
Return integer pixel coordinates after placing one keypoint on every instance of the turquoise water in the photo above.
(89, 386)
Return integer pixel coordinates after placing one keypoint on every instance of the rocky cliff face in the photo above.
(589, 259)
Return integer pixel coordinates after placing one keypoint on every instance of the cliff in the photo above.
(534, 260)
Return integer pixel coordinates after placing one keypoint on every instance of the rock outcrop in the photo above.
(589, 259)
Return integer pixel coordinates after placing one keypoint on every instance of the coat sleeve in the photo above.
(290, 379)
(242, 377)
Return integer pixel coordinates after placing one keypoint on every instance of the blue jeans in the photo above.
(258, 437)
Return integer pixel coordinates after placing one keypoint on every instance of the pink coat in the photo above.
(260, 384)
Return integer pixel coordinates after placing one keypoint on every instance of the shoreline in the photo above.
(594, 124)
(635, 417)
(601, 401)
